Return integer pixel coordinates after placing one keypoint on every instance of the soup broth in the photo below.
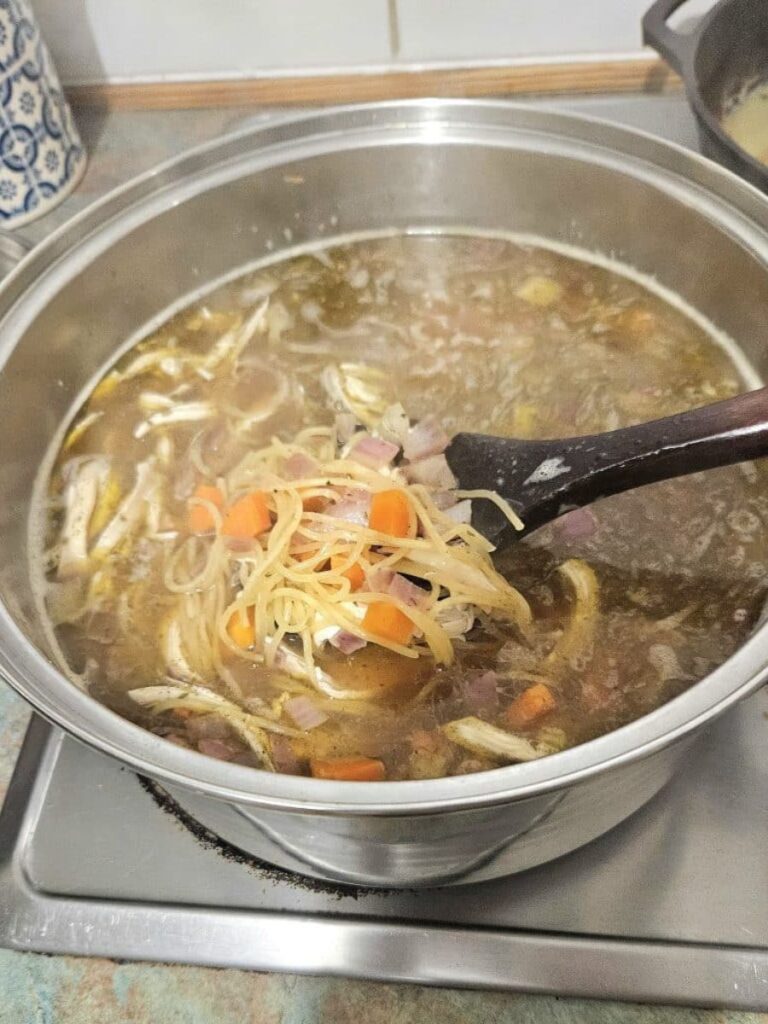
(746, 122)
(629, 602)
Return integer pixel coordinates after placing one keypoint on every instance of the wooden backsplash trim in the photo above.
(647, 74)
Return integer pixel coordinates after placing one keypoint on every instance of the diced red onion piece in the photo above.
(216, 748)
(346, 642)
(424, 741)
(300, 466)
(432, 472)
(374, 452)
(425, 438)
(207, 727)
(403, 590)
(577, 525)
(283, 755)
(461, 512)
(352, 508)
(480, 693)
(298, 541)
(247, 758)
(305, 713)
(378, 582)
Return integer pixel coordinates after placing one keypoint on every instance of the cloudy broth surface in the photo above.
(622, 606)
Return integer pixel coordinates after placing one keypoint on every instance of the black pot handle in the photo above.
(675, 47)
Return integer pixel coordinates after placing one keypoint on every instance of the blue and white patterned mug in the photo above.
(41, 155)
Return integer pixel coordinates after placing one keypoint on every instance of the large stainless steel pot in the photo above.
(430, 164)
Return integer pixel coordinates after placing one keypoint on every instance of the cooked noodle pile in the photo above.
(423, 584)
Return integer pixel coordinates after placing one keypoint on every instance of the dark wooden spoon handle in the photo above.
(543, 479)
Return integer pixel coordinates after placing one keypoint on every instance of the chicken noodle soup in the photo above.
(256, 548)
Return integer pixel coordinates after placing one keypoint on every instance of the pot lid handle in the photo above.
(677, 48)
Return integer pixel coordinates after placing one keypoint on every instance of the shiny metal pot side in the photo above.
(428, 164)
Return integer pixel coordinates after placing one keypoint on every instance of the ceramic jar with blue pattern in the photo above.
(41, 155)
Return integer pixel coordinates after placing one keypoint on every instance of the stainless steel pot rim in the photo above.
(28, 671)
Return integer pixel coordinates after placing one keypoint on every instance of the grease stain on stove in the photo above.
(210, 841)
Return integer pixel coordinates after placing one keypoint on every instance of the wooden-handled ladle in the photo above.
(544, 479)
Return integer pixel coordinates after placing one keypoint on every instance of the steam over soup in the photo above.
(256, 549)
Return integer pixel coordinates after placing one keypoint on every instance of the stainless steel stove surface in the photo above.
(671, 906)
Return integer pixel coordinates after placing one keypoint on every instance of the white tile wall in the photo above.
(494, 29)
(126, 39)
(94, 40)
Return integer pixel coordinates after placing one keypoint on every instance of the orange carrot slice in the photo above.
(247, 517)
(199, 518)
(388, 622)
(240, 629)
(532, 704)
(349, 769)
(355, 573)
(390, 513)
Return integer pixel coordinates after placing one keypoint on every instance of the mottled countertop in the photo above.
(66, 990)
